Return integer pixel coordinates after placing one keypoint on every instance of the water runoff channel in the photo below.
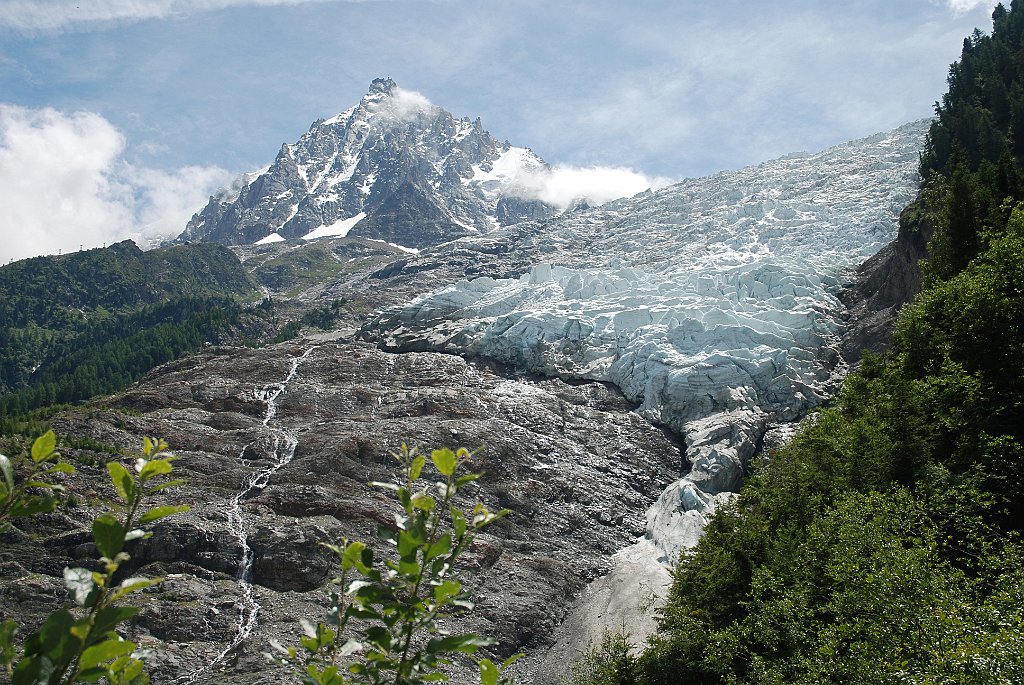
(282, 444)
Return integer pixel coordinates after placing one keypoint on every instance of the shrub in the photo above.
(399, 601)
(83, 645)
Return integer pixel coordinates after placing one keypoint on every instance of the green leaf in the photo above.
(444, 461)
(124, 483)
(442, 546)
(353, 557)
(107, 650)
(109, 534)
(155, 467)
(44, 446)
(467, 644)
(512, 659)
(408, 542)
(424, 502)
(79, 582)
(379, 637)
(446, 590)
(131, 585)
(7, 648)
(417, 467)
(48, 652)
(60, 467)
(488, 672)
(157, 513)
(164, 486)
(458, 523)
(108, 618)
(467, 478)
(30, 506)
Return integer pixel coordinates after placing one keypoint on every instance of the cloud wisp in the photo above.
(54, 15)
(66, 185)
(561, 185)
(964, 6)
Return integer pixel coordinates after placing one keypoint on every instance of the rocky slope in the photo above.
(575, 465)
(884, 283)
(394, 168)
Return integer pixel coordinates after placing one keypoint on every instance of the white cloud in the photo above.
(965, 6)
(561, 185)
(48, 15)
(166, 200)
(66, 185)
(405, 105)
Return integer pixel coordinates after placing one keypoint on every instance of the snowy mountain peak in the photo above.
(394, 167)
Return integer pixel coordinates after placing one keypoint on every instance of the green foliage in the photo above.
(610, 663)
(325, 316)
(288, 332)
(82, 644)
(34, 493)
(92, 322)
(881, 545)
(109, 355)
(975, 147)
(57, 292)
(384, 625)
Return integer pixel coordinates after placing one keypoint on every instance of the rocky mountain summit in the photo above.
(394, 168)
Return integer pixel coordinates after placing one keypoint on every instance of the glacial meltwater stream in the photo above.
(281, 448)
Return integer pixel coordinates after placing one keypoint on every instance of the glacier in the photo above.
(711, 303)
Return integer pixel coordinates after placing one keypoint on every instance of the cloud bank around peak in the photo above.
(405, 105)
(561, 185)
(67, 185)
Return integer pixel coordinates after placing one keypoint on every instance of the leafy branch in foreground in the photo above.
(34, 494)
(84, 646)
(399, 602)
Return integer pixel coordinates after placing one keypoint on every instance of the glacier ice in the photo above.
(711, 304)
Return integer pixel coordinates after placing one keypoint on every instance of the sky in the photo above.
(118, 118)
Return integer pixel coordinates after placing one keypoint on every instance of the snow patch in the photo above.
(270, 239)
(338, 229)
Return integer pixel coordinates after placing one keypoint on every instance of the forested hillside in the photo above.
(882, 544)
(92, 322)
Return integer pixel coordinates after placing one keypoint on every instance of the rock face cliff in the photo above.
(884, 283)
(394, 168)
